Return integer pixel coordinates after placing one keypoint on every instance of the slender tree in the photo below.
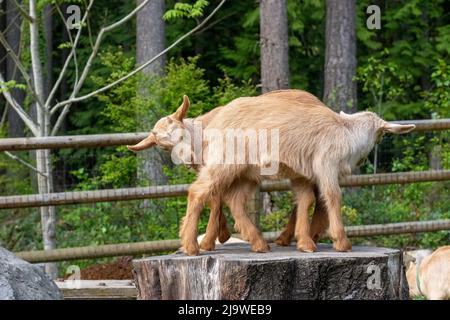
(150, 40)
(340, 55)
(274, 45)
(47, 22)
(13, 36)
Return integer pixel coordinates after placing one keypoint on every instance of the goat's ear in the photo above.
(182, 110)
(148, 142)
(398, 128)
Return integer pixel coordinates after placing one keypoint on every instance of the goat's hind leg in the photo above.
(305, 198)
(286, 236)
(224, 233)
(319, 222)
(217, 226)
(332, 197)
(236, 198)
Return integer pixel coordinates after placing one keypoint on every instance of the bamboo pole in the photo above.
(125, 194)
(117, 139)
(111, 250)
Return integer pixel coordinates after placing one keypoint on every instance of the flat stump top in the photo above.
(242, 252)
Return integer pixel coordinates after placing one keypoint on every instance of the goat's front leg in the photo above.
(197, 196)
(236, 198)
(305, 198)
(217, 226)
(332, 195)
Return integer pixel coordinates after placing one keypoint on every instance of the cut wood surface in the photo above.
(232, 272)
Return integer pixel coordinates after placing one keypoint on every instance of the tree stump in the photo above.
(233, 272)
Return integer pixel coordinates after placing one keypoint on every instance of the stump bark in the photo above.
(233, 272)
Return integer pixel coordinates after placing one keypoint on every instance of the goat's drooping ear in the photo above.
(144, 144)
(398, 128)
(181, 112)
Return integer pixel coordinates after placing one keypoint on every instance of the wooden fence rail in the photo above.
(112, 250)
(80, 141)
(117, 139)
(78, 197)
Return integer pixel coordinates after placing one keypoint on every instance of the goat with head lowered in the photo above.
(316, 147)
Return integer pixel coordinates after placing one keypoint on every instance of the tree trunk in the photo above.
(235, 273)
(150, 40)
(340, 55)
(274, 58)
(48, 36)
(48, 214)
(43, 160)
(274, 45)
(13, 36)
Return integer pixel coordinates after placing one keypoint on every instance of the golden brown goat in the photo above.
(316, 147)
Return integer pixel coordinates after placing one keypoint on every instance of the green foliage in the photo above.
(384, 86)
(241, 54)
(276, 220)
(306, 44)
(437, 100)
(183, 77)
(227, 90)
(185, 10)
(12, 84)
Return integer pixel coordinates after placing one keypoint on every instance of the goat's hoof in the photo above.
(306, 245)
(283, 240)
(261, 247)
(224, 235)
(192, 249)
(342, 245)
(207, 245)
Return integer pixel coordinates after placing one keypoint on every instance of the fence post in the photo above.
(254, 206)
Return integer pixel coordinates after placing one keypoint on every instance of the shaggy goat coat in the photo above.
(316, 147)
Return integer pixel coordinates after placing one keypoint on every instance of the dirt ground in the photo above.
(117, 270)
